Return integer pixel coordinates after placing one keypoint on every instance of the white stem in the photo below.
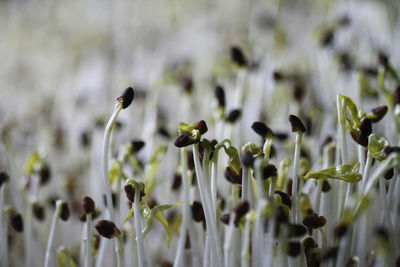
(228, 241)
(206, 256)
(245, 183)
(142, 260)
(119, 249)
(246, 242)
(88, 262)
(214, 177)
(3, 227)
(51, 235)
(258, 232)
(106, 147)
(185, 210)
(366, 172)
(205, 199)
(296, 159)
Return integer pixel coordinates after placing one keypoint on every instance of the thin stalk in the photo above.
(205, 199)
(214, 177)
(294, 176)
(106, 147)
(119, 249)
(3, 227)
(142, 260)
(245, 183)
(51, 235)
(88, 262)
(206, 256)
(185, 218)
(228, 242)
(246, 242)
(258, 233)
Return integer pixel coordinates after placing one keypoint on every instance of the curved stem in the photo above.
(106, 146)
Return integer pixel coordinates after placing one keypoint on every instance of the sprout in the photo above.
(126, 97)
(107, 229)
(238, 57)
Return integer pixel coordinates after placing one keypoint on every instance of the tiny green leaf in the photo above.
(347, 172)
(376, 147)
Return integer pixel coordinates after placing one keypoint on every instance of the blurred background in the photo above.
(64, 63)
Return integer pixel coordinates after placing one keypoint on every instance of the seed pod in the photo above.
(126, 97)
(3, 178)
(17, 222)
(38, 211)
(396, 96)
(137, 145)
(197, 211)
(296, 124)
(308, 243)
(225, 218)
(285, 198)
(184, 140)
(187, 84)
(391, 149)
(383, 59)
(389, 174)
(233, 115)
(232, 176)
(219, 93)
(261, 129)
(240, 210)
(64, 215)
(297, 230)
(107, 229)
(238, 57)
(201, 126)
(379, 113)
(247, 160)
(44, 174)
(314, 221)
(177, 181)
(294, 248)
(328, 38)
(326, 187)
(365, 127)
(340, 230)
(88, 205)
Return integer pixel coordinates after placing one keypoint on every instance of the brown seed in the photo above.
(201, 126)
(326, 187)
(17, 222)
(261, 129)
(106, 228)
(379, 113)
(44, 174)
(389, 174)
(240, 210)
(238, 57)
(197, 211)
(340, 230)
(285, 198)
(233, 115)
(176, 184)
(225, 218)
(64, 215)
(294, 248)
(88, 205)
(184, 140)
(232, 176)
(38, 211)
(126, 97)
(3, 178)
(220, 95)
(296, 124)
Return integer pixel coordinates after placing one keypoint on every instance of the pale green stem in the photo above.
(246, 242)
(142, 260)
(185, 218)
(3, 227)
(88, 262)
(296, 159)
(50, 241)
(106, 147)
(205, 199)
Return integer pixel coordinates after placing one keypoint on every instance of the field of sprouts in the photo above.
(200, 133)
